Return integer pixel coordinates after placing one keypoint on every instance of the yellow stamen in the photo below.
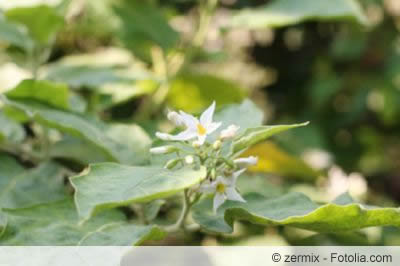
(220, 188)
(201, 130)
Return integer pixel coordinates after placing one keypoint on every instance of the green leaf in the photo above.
(143, 25)
(239, 114)
(256, 135)
(49, 93)
(10, 130)
(56, 224)
(122, 235)
(15, 35)
(77, 150)
(126, 149)
(42, 21)
(109, 185)
(3, 223)
(280, 13)
(20, 188)
(85, 75)
(297, 210)
(193, 92)
(134, 140)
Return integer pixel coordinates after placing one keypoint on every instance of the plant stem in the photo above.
(180, 223)
(206, 14)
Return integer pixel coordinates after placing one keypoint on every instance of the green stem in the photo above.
(180, 223)
(206, 14)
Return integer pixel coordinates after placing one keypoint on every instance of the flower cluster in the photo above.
(222, 170)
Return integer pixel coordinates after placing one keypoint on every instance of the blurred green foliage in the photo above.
(101, 74)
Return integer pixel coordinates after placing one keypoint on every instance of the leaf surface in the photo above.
(21, 188)
(122, 234)
(119, 143)
(108, 185)
(256, 135)
(297, 210)
(56, 224)
(280, 13)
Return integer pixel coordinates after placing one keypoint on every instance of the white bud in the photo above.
(163, 136)
(189, 159)
(217, 144)
(229, 132)
(248, 161)
(175, 118)
(163, 149)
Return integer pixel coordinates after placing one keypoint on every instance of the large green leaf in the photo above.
(3, 223)
(288, 12)
(134, 140)
(10, 130)
(14, 34)
(20, 188)
(85, 75)
(108, 185)
(122, 234)
(49, 93)
(57, 224)
(297, 210)
(42, 21)
(245, 115)
(256, 135)
(127, 147)
(77, 150)
(143, 25)
(193, 92)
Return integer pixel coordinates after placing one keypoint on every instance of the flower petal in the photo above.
(201, 139)
(189, 120)
(163, 136)
(219, 199)
(207, 116)
(223, 180)
(208, 188)
(184, 135)
(212, 127)
(232, 194)
(236, 174)
(175, 118)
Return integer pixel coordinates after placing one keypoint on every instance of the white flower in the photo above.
(163, 149)
(245, 162)
(175, 118)
(195, 128)
(224, 189)
(229, 132)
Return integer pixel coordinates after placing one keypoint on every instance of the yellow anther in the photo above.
(201, 130)
(220, 188)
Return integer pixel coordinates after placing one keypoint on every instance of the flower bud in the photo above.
(189, 159)
(213, 173)
(175, 118)
(196, 144)
(245, 162)
(172, 163)
(163, 149)
(217, 145)
(163, 136)
(229, 132)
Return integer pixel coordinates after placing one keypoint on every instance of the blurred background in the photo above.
(132, 59)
